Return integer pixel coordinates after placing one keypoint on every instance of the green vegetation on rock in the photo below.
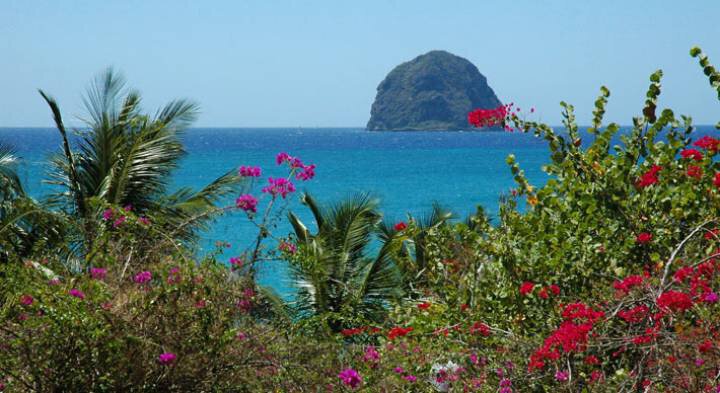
(434, 91)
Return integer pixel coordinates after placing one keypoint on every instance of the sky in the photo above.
(282, 63)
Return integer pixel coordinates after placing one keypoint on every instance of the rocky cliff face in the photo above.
(434, 91)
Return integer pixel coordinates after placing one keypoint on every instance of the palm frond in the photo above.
(10, 185)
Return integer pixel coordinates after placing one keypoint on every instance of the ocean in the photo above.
(406, 171)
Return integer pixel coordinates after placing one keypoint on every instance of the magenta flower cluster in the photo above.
(166, 358)
(288, 247)
(306, 172)
(249, 171)
(143, 277)
(77, 293)
(279, 186)
(236, 263)
(350, 377)
(26, 300)
(98, 273)
(247, 202)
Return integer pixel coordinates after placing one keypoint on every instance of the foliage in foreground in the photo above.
(607, 281)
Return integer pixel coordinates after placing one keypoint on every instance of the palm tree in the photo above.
(125, 157)
(336, 277)
(25, 226)
(413, 260)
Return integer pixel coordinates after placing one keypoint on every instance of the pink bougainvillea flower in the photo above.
(410, 378)
(279, 186)
(144, 220)
(247, 202)
(98, 273)
(143, 277)
(167, 358)
(371, 355)
(77, 293)
(119, 221)
(26, 300)
(236, 263)
(711, 297)
(249, 171)
(307, 173)
(288, 247)
(561, 376)
(350, 378)
(282, 157)
(107, 214)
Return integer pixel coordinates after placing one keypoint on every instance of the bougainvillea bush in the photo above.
(604, 279)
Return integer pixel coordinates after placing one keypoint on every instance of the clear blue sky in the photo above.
(318, 63)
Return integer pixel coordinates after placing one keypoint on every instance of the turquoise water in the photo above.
(407, 171)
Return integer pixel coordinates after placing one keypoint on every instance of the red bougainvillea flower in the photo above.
(489, 117)
(352, 332)
(424, 306)
(644, 238)
(398, 332)
(166, 358)
(708, 143)
(691, 153)
(628, 283)
(650, 177)
(694, 171)
(543, 293)
(712, 234)
(635, 314)
(555, 289)
(570, 336)
(401, 226)
(480, 328)
(526, 288)
(716, 180)
(591, 360)
(674, 301)
(706, 346)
